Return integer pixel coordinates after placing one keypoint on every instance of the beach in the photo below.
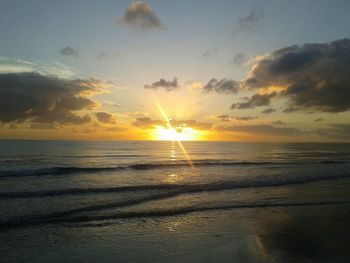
(147, 202)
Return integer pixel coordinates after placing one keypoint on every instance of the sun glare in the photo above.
(170, 134)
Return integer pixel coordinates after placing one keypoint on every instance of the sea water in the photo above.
(137, 201)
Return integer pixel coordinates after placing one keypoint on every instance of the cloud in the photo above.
(228, 118)
(44, 126)
(263, 129)
(135, 113)
(104, 55)
(224, 117)
(46, 99)
(268, 110)
(141, 17)
(239, 59)
(337, 131)
(113, 104)
(210, 53)
(313, 77)
(105, 117)
(68, 52)
(279, 123)
(222, 86)
(193, 85)
(290, 109)
(257, 100)
(252, 21)
(318, 120)
(164, 84)
(147, 123)
(16, 65)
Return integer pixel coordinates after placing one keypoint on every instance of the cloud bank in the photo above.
(46, 99)
(313, 77)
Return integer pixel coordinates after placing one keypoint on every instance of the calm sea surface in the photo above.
(148, 202)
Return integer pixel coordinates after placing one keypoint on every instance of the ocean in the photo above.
(154, 201)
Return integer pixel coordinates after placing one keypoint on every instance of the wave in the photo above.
(57, 171)
(6, 225)
(181, 188)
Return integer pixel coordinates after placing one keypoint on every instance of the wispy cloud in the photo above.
(263, 129)
(210, 53)
(227, 118)
(105, 55)
(239, 59)
(15, 65)
(279, 123)
(252, 21)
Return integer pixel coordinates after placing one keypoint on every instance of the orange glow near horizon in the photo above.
(171, 134)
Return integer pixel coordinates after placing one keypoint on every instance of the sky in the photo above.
(191, 70)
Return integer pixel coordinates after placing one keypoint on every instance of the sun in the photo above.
(171, 134)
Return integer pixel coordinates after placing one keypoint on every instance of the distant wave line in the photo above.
(62, 170)
(188, 188)
(6, 225)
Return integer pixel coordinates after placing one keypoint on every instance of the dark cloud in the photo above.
(263, 129)
(222, 86)
(105, 117)
(164, 84)
(45, 99)
(245, 118)
(148, 123)
(228, 118)
(140, 16)
(252, 21)
(313, 76)
(239, 59)
(210, 53)
(268, 110)
(290, 109)
(279, 123)
(68, 52)
(318, 120)
(257, 100)
(224, 117)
